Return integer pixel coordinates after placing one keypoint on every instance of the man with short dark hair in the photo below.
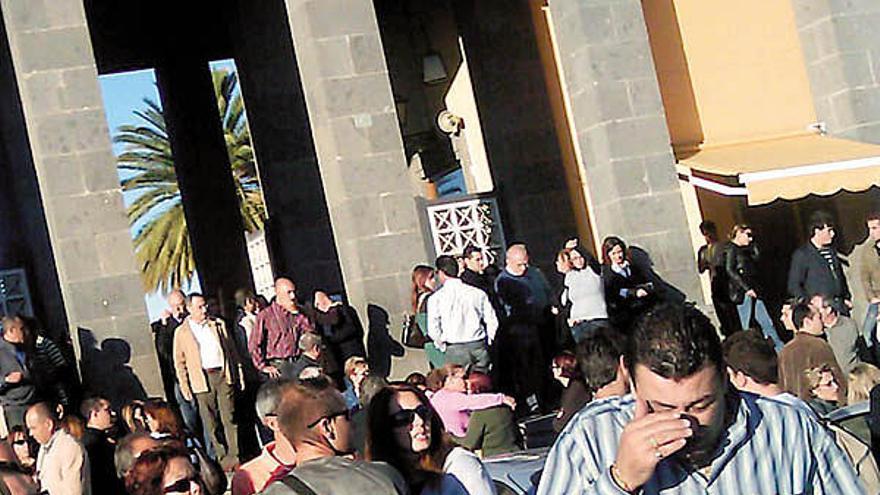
(62, 464)
(100, 444)
(309, 356)
(17, 389)
(461, 320)
(841, 331)
(599, 357)
(314, 418)
(816, 267)
(474, 271)
(753, 366)
(277, 458)
(208, 370)
(685, 430)
(806, 350)
(869, 271)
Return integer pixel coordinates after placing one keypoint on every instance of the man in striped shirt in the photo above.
(685, 430)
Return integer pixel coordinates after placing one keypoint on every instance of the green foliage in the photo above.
(161, 243)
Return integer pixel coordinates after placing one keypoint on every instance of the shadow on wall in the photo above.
(381, 346)
(665, 290)
(105, 369)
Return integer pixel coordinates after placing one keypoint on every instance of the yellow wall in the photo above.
(729, 71)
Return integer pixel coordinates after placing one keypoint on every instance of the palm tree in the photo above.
(162, 246)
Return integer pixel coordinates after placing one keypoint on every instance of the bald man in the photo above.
(524, 296)
(62, 464)
(274, 343)
(163, 335)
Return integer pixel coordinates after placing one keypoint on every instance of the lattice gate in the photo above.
(464, 221)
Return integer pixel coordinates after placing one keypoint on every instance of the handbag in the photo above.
(411, 334)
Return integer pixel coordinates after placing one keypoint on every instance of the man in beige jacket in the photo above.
(208, 369)
(62, 464)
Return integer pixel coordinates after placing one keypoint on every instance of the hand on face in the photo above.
(648, 439)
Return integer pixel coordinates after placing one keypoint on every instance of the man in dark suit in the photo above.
(816, 267)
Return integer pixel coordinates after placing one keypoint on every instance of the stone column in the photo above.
(841, 47)
(627, 164)
(69, 145)
(360, 153)
(517, 123)
(299, 232)
(207, 188)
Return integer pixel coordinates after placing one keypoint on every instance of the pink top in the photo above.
(455, 408)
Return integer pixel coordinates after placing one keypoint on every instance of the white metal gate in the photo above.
(472, 220)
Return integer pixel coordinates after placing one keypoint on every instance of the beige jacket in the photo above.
(188, 361)
(63, 466)
(869, 268)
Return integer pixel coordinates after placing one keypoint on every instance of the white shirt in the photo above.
(63, 466)
(459, 313)
(463, 469)
(585, 290)
(209, 344)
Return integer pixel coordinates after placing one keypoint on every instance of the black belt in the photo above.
(214, 370)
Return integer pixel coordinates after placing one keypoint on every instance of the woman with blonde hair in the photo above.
(861, 379)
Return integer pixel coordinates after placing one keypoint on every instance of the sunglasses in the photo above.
(344, 412)
(405, 417)
(181, 486)
(20, 442)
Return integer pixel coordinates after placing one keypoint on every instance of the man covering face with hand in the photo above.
(685, 430)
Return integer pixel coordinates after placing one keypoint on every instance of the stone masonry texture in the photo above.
(57, 79)
(620, 127)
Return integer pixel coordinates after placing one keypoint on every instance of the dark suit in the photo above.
(810, 274)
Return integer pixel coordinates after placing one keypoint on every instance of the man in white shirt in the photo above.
(62, 464)
(461, 320)
(207, 367)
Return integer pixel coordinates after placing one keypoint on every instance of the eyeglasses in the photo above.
(181, 486)
(405, 417)
(20, 442)
(345, 412)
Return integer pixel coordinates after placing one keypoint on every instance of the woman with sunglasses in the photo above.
(164, 470)
(419, 447)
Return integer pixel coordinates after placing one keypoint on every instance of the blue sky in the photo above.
(123, 94)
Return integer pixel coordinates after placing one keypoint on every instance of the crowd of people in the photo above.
(643, 393)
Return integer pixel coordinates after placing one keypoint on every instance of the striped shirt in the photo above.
(770, 448)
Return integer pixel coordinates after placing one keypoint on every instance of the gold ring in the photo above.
(658, 454)
(654, 443)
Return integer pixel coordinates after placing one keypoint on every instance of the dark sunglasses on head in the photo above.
(405, 417)
(181, 486)
(345, 412)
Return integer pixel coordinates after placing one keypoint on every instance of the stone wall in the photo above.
(70, 148)
(841, 47)
(627, 163)
(363, 168)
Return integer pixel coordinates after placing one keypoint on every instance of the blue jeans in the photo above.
(870, 326)
(752, 305)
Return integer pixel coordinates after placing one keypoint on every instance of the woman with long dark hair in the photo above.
(575, 395)
(418, 446)
(628, 289)
(423, 285)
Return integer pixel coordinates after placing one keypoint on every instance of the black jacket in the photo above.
(342, 331)
(622, 310)
(810, 274)
(741, 271)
